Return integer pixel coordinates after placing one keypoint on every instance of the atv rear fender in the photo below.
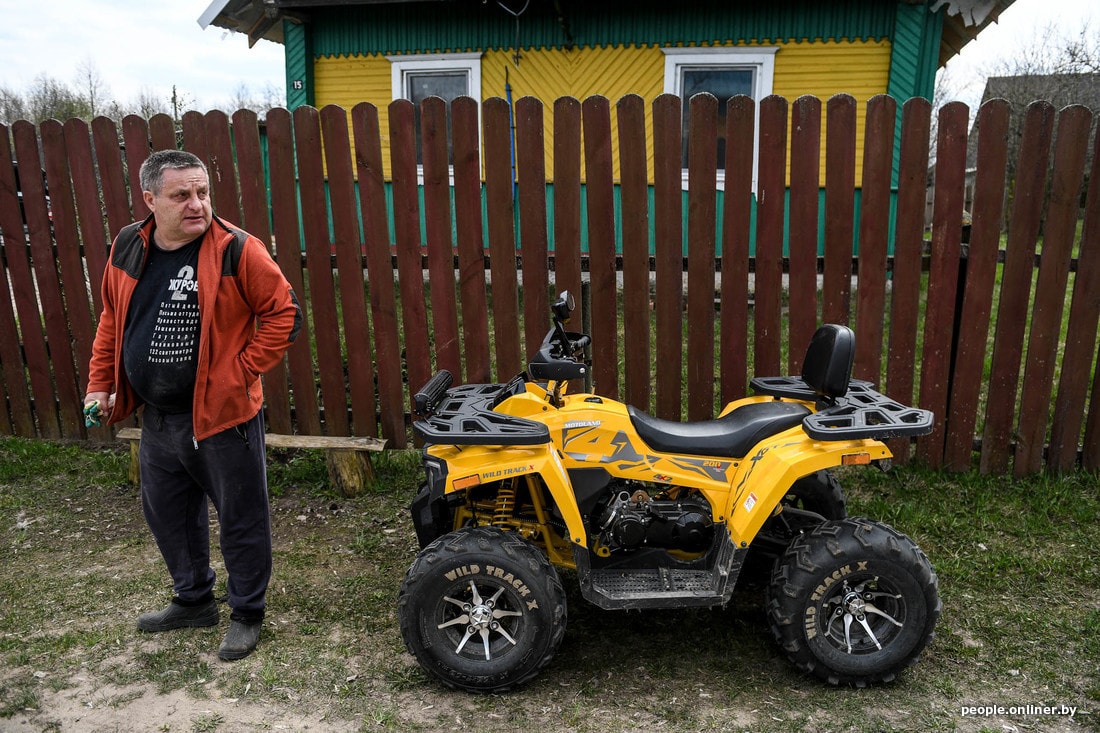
(765, 476)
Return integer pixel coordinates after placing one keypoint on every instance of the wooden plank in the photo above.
(767, 310)
(567, 195)
(702, 242)
(112, 174)
(194, 134)
(73, 312)
(600, 190)
(1090, 452)
(634, 193)
(803, 236)
(668, 254)
(135, 137)
(437, 230)
(1059, 230)
(347, 459)
(534, 244)
(349, 262)
(17, 410)
(53, 400)
(307, 442)
(322, 289)
(162, 131)
(840, 184)
(500, 206)
(221, 166)
(981, 271)
(89, 208)
(874, 232)
(736, 223)
(284, 215)
(943, 276)
(470, 234)
(406, 226)
(256, 220)
(1023, 232)
(372, 197)
(905, 295)
(1081, 345)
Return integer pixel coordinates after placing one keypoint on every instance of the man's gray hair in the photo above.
(152, 170)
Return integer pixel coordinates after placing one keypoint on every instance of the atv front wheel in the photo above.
(854, 602)
(482, 609)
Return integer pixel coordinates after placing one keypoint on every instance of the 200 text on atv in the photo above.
(524, 477)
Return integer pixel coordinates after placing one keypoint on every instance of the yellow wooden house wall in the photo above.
(822, 69)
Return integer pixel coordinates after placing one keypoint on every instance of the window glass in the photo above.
(447, 85)
(447, 76)
(721, 81)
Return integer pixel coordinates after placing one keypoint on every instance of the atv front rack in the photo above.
(464, 415)
(862, 412)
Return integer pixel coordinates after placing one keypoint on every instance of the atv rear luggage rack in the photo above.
(862, 412)
(464, 416)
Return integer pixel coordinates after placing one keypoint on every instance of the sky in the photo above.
(136, 46)
(1019, 25)
(140, 47)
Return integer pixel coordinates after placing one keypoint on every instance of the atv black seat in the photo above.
(729, 436)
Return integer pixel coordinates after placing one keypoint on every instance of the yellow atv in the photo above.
(524, 478)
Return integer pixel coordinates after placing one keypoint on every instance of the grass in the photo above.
(1018, 565)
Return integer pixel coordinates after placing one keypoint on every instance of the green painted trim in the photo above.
(299, 64)
(914, 60)
(719, 203)
(914, 54)
(468, 25)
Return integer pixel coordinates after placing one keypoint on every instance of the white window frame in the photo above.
(759, 59)
(401, 66)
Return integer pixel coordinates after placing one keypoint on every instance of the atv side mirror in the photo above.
(563, 306)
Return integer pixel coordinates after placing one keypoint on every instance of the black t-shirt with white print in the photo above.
(161, 338)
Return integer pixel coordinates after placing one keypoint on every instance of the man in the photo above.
(194, 311)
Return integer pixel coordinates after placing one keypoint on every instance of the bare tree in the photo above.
(95, 91)
(148, 104)
(49, 98)
(12, 106)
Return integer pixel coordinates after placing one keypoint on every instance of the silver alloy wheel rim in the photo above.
(481, 617)
(863, 618)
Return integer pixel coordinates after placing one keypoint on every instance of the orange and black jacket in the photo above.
(248, 316)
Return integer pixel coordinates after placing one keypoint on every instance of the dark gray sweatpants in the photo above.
(177, 478)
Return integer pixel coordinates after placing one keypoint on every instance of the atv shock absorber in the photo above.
(505, 504)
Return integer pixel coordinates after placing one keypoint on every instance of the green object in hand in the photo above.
(92, 415)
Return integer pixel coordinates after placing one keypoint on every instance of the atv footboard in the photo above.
(464, 415)
(862, 412)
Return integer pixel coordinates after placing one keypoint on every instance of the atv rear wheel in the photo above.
(854, 602)
(482, 609)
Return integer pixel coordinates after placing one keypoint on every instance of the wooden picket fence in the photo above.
(403, 276)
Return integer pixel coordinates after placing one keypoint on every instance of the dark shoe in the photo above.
(239, 641)
(176, 616)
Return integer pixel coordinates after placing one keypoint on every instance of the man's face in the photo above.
(181, 208)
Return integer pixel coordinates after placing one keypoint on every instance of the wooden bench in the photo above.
(347, 459)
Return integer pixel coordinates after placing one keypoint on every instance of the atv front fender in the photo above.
(765, 476)
(472, 466)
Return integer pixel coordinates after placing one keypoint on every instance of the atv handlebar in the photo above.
(427, 399)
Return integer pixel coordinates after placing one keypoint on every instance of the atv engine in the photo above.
(632, 519)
